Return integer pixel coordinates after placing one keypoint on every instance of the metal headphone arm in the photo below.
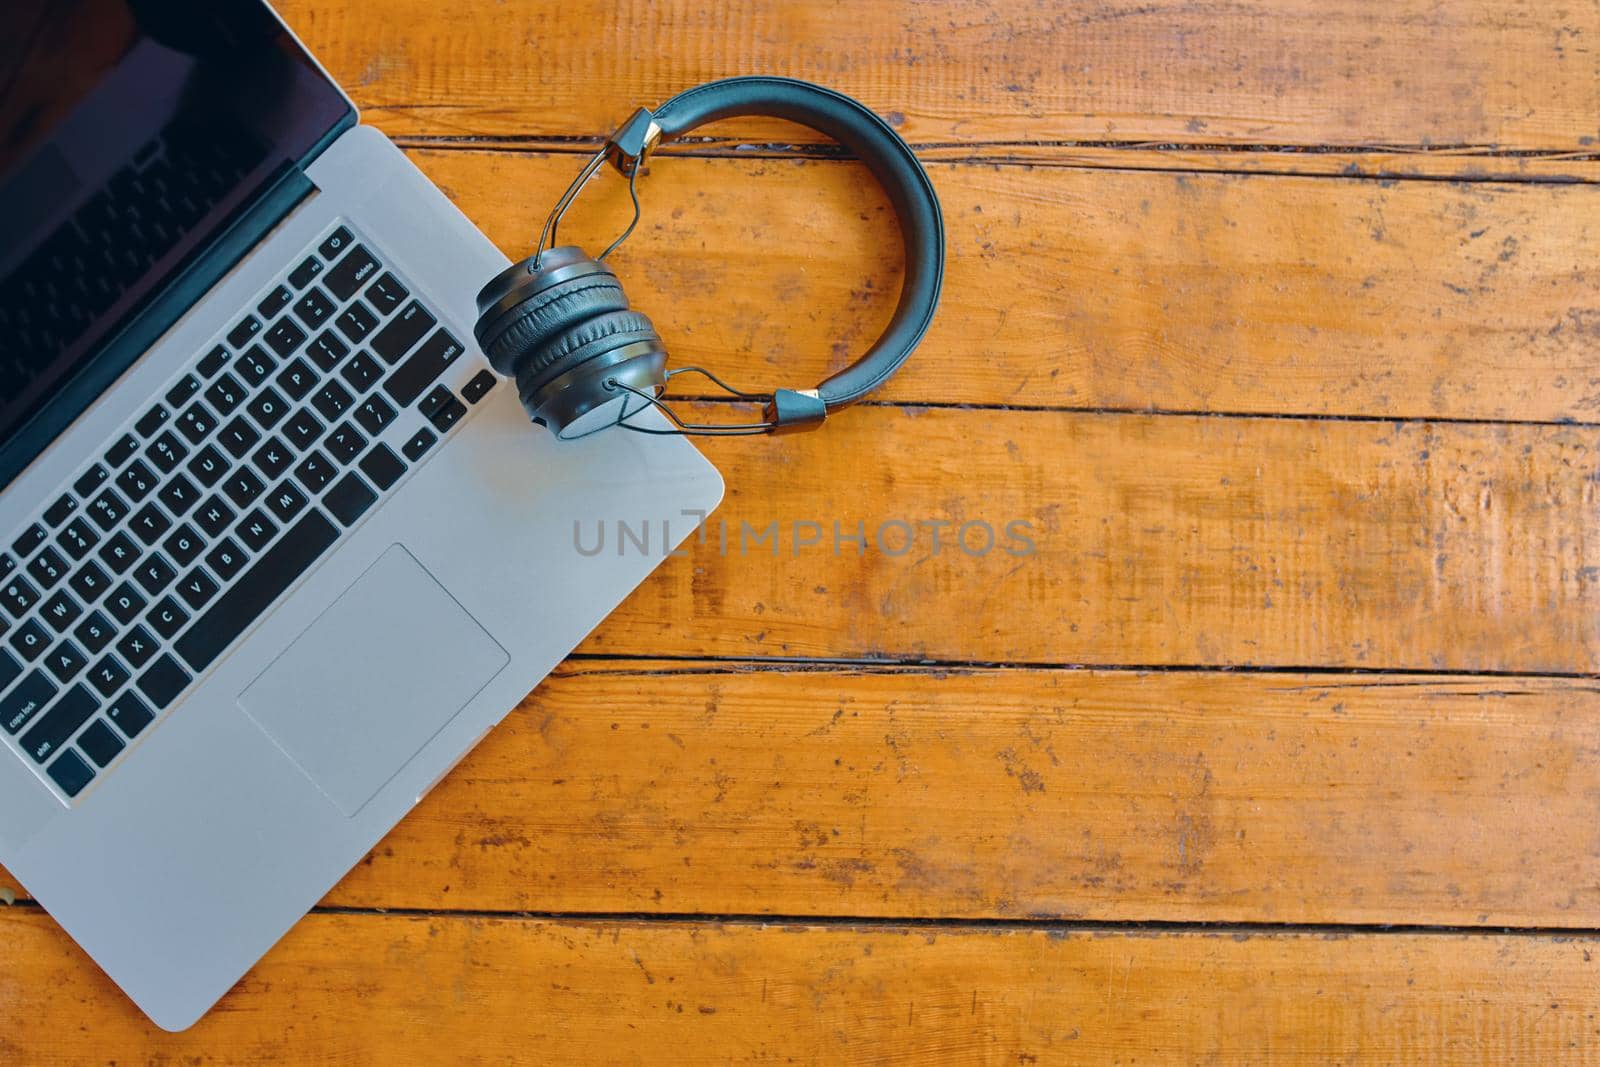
(783, 410)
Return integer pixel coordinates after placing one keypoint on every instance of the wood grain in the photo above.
(1094, 289)
(1302, 72)
(680, 788)
(495, 991)
(1157, 540)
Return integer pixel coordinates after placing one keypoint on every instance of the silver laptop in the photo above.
(276, 548)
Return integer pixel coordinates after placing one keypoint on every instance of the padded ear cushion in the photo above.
(580, 344)
(548, 315)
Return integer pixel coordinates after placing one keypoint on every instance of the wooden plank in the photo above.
(372, 989)
(1093, 289)
(1303, 72)
(1156, 540)
(680, 788)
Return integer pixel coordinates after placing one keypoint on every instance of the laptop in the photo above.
(276, 547)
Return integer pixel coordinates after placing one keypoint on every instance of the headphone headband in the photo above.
(513, 297)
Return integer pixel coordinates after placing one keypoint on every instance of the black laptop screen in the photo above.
(131, 131)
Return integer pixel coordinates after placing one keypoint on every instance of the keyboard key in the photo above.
(71, 773)
(273, 458)
(196, 422)
(344, 442)
(441, 408)
(197, 588)
(149, 523)
(386, 293)
(479, 387)
(286, 501)
(274, 302)
(214, 361)
(285, 336)
(362, 372)
(255, 590)
(130, 714)
(95, 632)
(57, 725)
(214, 516)
(184, 545)
(268, 408)
(100, 742)
(181, 393)
(374, 413)
(179, 495)
(125, 603)
(226, 559)
(108, 509)
(137, 646)
(349, 499)
(23, 703)
(327, 350)
(57, 513)
(351, 273)
(77, 538)
(316, 471)
(29, 541)
(61, 611)
(238, 437)
(240, 335)
(225, 394)
(163, 681)
(65, 660)
(122, 451)
(10, 668)
(314, 308)
(303, 429)
(255, 529)
(302, 275)
(18, 596)
(382, 466)
(332, 400)
(208, 466)
(47, 568)
(90, 581)
(297, 379)
(154, 573)
(166, 452)
(137, 481)
(31, 639)
(336, 243)
(90, 480)
(242, 486)
(254, 366)
(396, 339)
(7, 565)
(419, 444)
(120, 552)
(356, 322)
(108, 676)
(167, 617)
(152, 420)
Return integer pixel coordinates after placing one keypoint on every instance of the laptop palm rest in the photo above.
(365, 687)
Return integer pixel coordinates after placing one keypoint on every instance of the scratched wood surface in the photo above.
(1304, 439)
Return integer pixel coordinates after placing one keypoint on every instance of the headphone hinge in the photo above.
(626, 148)
(794, 409)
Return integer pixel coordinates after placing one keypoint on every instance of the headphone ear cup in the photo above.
(582, 342)
(548, 315)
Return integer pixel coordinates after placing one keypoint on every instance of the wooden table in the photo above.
(1277, 322)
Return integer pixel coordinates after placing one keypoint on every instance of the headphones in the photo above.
(584, 360)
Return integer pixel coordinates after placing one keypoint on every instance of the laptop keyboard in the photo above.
(147, 566)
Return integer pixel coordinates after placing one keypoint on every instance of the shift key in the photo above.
(57, 725)
(420, 371)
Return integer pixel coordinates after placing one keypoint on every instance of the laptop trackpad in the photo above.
(368, 684)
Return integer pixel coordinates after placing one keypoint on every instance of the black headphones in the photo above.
(583, 360)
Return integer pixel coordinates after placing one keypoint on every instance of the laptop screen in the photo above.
(131, 131)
